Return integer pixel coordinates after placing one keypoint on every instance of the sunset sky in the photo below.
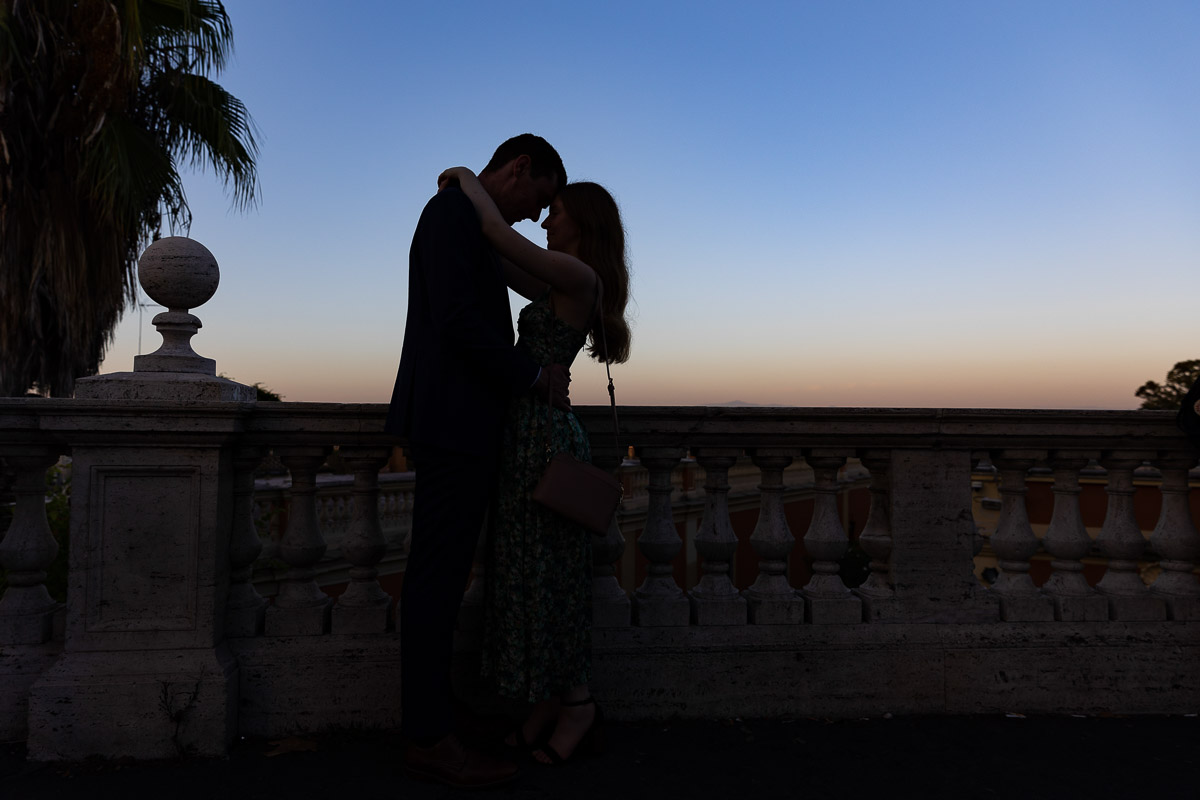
(846, 203)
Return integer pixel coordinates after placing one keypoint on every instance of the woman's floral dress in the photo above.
(538, 612)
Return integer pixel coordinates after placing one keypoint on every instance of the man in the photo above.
(458, 369)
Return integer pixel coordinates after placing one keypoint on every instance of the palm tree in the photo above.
(100, 102)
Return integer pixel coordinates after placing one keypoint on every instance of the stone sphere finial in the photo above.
(179, 273)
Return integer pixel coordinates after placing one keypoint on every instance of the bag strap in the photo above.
(612, 395)
(598, 309)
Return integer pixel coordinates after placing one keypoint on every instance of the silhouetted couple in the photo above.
(473, 406)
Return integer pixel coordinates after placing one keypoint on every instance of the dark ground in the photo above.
(920, 757)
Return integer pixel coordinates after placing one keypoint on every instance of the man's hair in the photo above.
(543, 159)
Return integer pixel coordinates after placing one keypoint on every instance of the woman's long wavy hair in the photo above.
(602, 247)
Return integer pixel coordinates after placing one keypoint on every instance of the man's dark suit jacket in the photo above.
(458, 368)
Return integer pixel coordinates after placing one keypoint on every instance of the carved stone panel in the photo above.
(142, 544)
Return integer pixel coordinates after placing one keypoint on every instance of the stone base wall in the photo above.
(307, 684)
(312, 683)
(869, 670)
(20, 667)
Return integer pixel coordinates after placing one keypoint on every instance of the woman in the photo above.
(537, 641)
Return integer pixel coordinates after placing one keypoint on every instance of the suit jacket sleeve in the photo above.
(466, 294)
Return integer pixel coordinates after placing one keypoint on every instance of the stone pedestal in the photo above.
(775, 610)
(1146, 608)
(1082, 608)
(149, 579)
(879, 609)
(20, 667)
(148, 705)
(1182, 609)
(833, 611)
(932, 530)
(611, 607)
(716, 611)
(144, 672)
(1027, 608)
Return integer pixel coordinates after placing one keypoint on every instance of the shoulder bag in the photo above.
(577, 490)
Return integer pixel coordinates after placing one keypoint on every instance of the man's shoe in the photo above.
(454, 764)
(477, 727)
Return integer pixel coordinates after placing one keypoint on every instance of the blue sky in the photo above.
(988, 204)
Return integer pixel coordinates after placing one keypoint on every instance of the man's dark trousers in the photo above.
(450, 501)
(458, 370)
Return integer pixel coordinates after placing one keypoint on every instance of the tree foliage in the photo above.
(1170, 395)
(261, 390)
(101, 102)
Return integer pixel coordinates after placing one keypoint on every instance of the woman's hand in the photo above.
(452, 176)
(560, 271)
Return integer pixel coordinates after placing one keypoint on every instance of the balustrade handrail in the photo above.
(953, 428)
(25, 420)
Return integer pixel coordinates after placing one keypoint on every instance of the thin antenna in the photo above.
(141, 306)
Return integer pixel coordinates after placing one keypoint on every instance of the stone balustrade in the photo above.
(337, 497)
(165, 647)
(335, 508)
(148, 573)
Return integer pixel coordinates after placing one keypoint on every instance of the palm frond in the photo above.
(194, 34)
(101, 101)
(210, 127)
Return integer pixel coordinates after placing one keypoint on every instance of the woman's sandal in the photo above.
(520, 745)
(592, 742)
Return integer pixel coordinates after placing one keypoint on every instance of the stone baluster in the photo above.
(388, 503)
(1177, 543)
(397, 517)
(7, 478)
(715, 600)
(1015, 544)
(659, 601)
(269, 510)
(336, 521)
(980, 462)
(876, 592)
(405, 504)
(1122, 542)
(771, 599)
(826, 542)
(301, 608)
(611, 607)
(364, 607)
(329, 519)
(246, 610)
(1068, 542)
(28, 549)
(639, 482)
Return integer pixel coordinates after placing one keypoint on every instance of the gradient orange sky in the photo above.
(935, 204)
